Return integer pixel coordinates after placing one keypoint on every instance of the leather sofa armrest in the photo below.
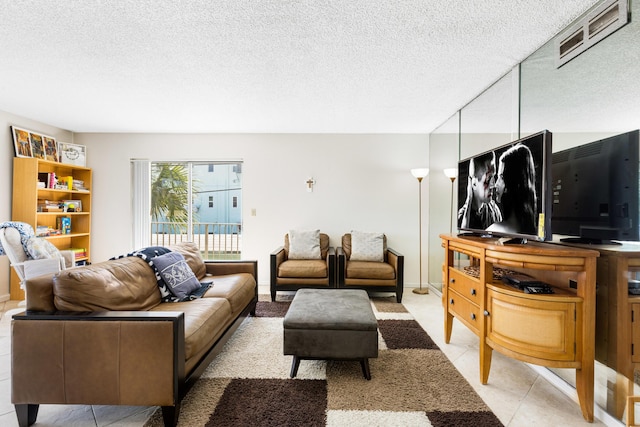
(221, 268)
(101, 358)
(39, 293)
(341, 265)
(331, 265)
(276, 258)
(396, 259)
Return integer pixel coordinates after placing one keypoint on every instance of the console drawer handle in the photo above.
(486, 313)
(452, 280)
(473, 291)
(451, 301)
(473, 316)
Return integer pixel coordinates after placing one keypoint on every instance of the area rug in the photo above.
(412, 381)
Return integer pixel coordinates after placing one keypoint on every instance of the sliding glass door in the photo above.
(199, 202)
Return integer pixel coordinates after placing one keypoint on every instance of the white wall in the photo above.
(362, 182)
(6, 174)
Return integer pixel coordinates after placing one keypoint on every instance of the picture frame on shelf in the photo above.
(50, 148)
(74, 205)
(21, 142)
(72, 154)
(37, 146)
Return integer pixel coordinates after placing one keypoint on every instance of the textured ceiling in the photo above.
(309, 66)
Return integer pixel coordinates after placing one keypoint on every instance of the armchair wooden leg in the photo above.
(26, 414)
(170, 415)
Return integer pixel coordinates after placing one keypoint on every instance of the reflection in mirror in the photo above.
(490, 120)
(594, 96)
(443, 154)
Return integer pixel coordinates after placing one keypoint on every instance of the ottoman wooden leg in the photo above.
(294, 366)
(365, 368)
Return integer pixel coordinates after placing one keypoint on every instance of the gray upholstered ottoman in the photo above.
(334, 324)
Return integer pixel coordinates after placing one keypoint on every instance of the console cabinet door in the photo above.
(532, 326)
(635, 333)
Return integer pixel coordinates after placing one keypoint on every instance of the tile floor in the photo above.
(517, 394)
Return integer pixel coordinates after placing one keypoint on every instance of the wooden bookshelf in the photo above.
(28, 198)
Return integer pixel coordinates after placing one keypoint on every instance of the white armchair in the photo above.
(16, 238)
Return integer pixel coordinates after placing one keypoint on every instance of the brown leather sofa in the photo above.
(293, 274)
(372, 276)
(100, 335)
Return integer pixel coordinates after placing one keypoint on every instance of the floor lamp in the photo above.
(452, 174)
(420, 173)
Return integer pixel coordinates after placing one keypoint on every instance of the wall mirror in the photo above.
(593, 96)
(443, 152)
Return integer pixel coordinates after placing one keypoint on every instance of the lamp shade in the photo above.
(420, 172)
(451, 172)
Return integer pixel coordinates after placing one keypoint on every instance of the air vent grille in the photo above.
(603, 21)
(561, 157)
(589, 149)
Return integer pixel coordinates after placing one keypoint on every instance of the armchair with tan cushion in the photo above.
(370, 264)
(309, 264)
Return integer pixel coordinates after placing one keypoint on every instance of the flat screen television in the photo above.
(596, 191)
(506, 191)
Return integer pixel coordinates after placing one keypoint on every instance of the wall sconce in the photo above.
(452, 174)
(310, 182)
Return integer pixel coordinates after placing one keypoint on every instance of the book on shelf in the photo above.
(64, 224)
(78, 185)
(49, 206)
(52, 180)
(79, 252)
(44, 231)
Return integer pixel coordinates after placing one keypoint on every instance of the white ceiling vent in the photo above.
(604, 20)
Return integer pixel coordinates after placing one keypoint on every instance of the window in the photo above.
(183, 208)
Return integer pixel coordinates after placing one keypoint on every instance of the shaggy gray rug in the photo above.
(412, 384)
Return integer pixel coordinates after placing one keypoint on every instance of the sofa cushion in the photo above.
(238, 289)
(303, 268)
(367, 246)
(304, 244)
(370, 270)
(204, 321)
(176, 273)
(191, 253)
(122, 284)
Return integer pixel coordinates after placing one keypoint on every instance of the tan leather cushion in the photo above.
(303, 268)
(192, 255)
(370, 270)
(324, 245)
(238, 289)
(204, 320)
(122, 284)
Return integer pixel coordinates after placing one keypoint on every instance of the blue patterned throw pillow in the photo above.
(175, 272)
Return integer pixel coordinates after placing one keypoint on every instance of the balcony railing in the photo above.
(216, 240)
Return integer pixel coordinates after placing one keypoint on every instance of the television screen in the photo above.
(595, 190)
(506, 191)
